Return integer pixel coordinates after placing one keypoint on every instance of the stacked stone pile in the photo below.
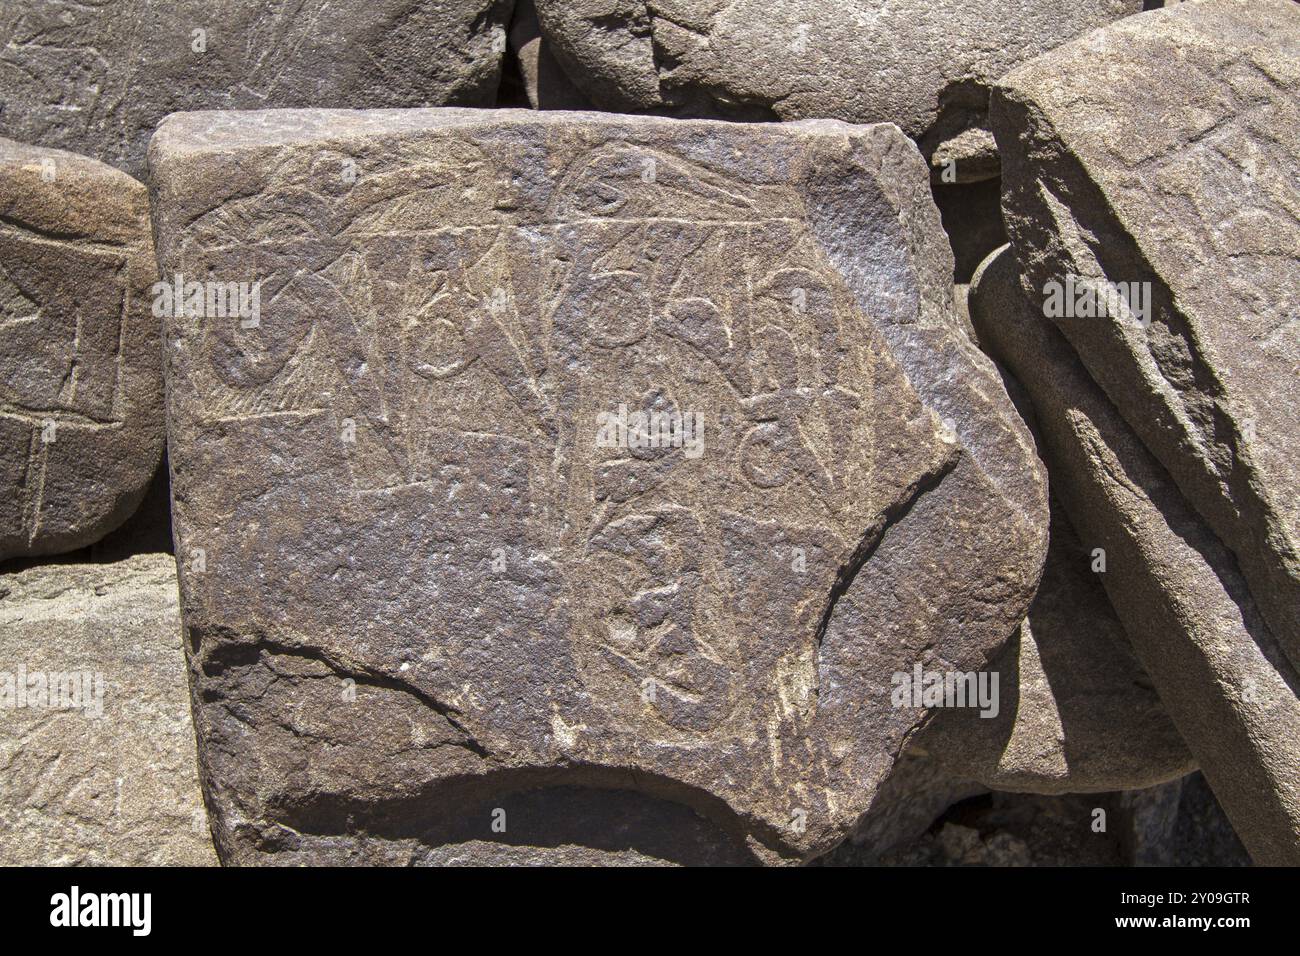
(649, 431)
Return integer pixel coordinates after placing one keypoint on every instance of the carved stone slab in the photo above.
(430, 587)
(95, 78)
(1154, 162)
(81, 422)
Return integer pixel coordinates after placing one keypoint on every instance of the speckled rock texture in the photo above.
(649, 432)
(96, 78)
(1078, 712)
(1159, 156)
(1220, 672)
(926, 65)
(101, 771)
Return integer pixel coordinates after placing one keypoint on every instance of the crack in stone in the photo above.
(892, 516)
(361, 675)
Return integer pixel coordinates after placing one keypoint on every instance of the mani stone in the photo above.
(926, 65)
(96, 741)
(1157, 160)
(96, 78)
(434, 592)
(81, 388)
(1194, 626)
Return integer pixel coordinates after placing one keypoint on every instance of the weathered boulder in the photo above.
(96, 739)
(81, 418)
(926, 65)
(96, 78)
(426, 570)
(1152, 167)
(1220, 673)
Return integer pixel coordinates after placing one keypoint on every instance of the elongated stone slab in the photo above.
(427, 573)
(96, 78)
(1152, 165)
(1220, 672)
(926, 65)
(1079, 713)
(81, 418)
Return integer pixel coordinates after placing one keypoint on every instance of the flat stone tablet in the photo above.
(1150, 192)
(572, 452)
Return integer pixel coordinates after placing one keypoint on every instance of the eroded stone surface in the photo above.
(1220, 673)
(103, 774)
(81, 423)
(926, 65)
(96, 78)
(415, 584)
(1163, 150)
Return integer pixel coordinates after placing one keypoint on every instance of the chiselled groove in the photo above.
(69, 238)
(38, 416)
